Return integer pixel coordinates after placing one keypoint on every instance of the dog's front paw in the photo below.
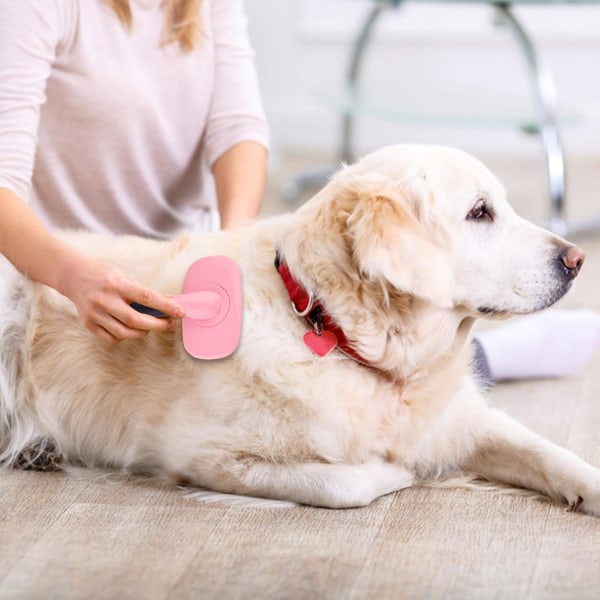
(41, 455)
(590, 506)
(575, 504)
(587, 500)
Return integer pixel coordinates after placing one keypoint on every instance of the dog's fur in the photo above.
(395, 251)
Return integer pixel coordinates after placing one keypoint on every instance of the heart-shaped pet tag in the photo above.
(321, 344)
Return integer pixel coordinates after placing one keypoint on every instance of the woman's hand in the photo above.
(102, 294)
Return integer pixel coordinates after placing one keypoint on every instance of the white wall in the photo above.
(429, 60)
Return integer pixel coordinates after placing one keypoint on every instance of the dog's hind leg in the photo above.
(506, 451)
(41, 455)
(318, 484)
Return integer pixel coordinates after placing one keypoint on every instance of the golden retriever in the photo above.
(397, 255)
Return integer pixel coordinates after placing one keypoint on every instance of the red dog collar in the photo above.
(326, 334)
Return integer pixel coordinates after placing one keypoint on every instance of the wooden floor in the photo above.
(91, 537)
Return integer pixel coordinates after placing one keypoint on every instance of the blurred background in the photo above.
(444, 73)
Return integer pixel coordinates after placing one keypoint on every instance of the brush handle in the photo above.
(146, 310)
(203, 305)
(199, 306)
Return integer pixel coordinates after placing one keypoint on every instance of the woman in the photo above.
(112, 113)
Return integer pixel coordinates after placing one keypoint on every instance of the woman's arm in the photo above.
(100, 292)
(31, 33)
(240, 175)
(237, 135)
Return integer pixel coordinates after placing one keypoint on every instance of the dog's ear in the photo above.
(392, 238)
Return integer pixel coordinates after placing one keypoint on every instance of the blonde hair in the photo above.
(182, 20)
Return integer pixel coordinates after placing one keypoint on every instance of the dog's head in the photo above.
(433, 222)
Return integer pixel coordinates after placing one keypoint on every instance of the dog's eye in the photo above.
(480, 212)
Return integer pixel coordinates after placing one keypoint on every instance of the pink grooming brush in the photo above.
(212, 299)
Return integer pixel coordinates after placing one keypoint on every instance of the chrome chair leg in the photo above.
(318, 176)
(345, 151)
(545, 98)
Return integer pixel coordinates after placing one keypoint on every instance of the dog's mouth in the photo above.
(542, 302)
(493, 313)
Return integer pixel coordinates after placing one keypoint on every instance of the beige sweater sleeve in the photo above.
(30, 34)
(236, 112)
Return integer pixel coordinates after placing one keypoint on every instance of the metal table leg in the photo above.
(545, 97)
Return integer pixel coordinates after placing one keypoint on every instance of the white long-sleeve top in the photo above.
(111, 130)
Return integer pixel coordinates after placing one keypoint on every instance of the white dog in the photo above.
(397, 256)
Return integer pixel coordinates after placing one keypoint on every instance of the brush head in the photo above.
(212, 298)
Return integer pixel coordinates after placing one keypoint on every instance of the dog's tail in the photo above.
(16, 299)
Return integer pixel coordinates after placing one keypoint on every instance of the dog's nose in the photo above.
(572, 258)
